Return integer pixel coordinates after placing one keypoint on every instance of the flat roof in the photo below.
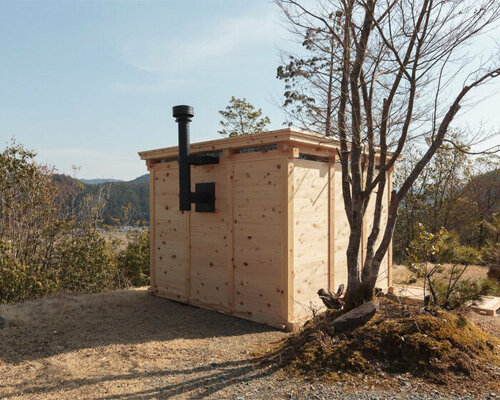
(291, 135)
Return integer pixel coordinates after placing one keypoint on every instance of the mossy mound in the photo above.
(434, 345)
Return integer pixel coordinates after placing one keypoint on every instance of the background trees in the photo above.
(50, 242)
(376, 76)
(242, 118)
(456, 191)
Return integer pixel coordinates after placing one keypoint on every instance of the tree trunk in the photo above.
(354, 295)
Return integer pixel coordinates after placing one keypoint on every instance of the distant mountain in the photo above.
(119, 195)
(98, 181)
(142, 178)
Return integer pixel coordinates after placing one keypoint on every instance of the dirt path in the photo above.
(129, 345)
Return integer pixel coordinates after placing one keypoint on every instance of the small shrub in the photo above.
(85, 263)
(133, 261)
(464, 291)
(452, 251)
(13, 275)
(20, 281)
(448, 291)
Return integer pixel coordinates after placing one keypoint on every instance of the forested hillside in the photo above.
(459, 193)
(50, 241)
(127, 203)
(133, 195)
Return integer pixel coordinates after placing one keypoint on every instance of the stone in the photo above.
(356, 317)
(3, 323)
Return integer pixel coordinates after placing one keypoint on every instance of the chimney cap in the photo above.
(183, 111)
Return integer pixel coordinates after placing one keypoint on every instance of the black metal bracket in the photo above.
(204, 197)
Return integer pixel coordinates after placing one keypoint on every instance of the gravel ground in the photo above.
(129, 345)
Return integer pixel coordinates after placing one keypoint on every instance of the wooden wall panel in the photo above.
(341, 231)
(310, 244)
(171, 239)
(152, 236)
(382, 279)
(209, 241)
(257, 238)
(278, 235)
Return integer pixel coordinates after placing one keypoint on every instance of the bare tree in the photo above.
(377, 74)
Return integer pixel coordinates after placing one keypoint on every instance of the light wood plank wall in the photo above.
(258, 209)
(310, 232)
(278, 235)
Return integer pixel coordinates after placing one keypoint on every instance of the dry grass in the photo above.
(401, 274)
(129, 345)
(125, 345)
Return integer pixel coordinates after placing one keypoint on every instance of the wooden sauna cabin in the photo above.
(278, 232)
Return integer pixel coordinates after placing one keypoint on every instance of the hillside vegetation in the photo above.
(458, 193)
(118, 195)
(50, 240)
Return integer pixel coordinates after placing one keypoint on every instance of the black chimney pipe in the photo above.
(183, 115)
(204, 194)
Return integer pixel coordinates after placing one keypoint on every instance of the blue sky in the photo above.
(91, 83)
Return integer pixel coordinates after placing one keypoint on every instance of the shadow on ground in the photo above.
(61, 324)
(196, 383)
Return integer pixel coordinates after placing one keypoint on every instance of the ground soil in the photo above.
(129, 345)
(401, 274)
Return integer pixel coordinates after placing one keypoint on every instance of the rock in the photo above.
(3, 323)
(356, 317)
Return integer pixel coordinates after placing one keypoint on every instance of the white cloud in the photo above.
(174, 59)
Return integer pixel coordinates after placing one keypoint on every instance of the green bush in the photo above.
(494, 272)
(464, 290)
(446, 287)
(85, 263)
(20, 281)
(133, 261)
(13, 275)
(452, 251)
(49, 242)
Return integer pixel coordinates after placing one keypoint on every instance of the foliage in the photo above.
(491, 252)
(85, 263)
(49, 238)
(30, 225)
(133, 261)
(117, 196)
(456, 191)
(121, 194)
(20, 281)
(447, 288)
(241, 118)
(494, 273)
